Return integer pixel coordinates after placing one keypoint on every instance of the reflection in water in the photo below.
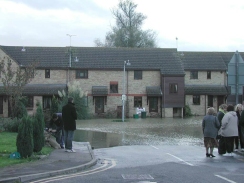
(102, 133)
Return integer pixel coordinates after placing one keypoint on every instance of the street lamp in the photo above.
(124, 96)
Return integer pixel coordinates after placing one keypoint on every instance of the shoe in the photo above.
(211, 155)
(236, 150)
(242, 149)
(62, 147)
(228, 154)
(207, 155)
(71, 150)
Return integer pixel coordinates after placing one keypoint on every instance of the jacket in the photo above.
(229, 127)
(241, 122)
(56, 125)
(210, 126)
(69, 116)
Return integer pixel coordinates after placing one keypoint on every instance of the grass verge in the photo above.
(8, 146)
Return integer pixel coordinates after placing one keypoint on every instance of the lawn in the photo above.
(8, 146)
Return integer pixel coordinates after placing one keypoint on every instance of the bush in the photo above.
(10, 125)
(38, 129)
(187, 111)
(24, 140)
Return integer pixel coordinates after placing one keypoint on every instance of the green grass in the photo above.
(8, 146)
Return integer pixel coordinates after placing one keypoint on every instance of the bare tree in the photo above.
(128, 31)
(14, 78)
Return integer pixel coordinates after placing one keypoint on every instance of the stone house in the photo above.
(160, 80)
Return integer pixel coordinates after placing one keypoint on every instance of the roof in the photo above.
(99, 90)
(204, 61)
(40, 89)
(153, 91)
(164, 59)
(205, 90)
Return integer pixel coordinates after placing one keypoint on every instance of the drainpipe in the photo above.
(237, 75)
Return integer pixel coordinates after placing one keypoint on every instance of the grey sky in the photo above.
(199, 25)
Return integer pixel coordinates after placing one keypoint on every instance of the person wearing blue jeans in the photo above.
(69, 116)
(56, 126)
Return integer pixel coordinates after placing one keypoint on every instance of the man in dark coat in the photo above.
(69, 116)
(56, 126)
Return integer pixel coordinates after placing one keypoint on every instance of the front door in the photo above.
(210, 100)
(99, 105)
(153, 104)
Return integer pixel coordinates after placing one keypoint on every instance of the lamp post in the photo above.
(124, 96)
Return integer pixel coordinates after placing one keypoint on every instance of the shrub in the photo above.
(10, 125)
(38, 129)
(54, 106)
(24, 140)
(80, 100)
(187, 111)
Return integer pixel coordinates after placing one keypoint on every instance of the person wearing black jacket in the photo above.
(56, 126)
(69, 116)
(238, 110)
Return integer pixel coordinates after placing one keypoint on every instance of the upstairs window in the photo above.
(113, 87)
(194, 75)
(173, 88)
(208, 74)
(47, 73)
(137, 75)
(196, 99)
(81, 74)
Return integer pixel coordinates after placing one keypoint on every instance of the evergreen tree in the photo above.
(24, 140)
(38, 130)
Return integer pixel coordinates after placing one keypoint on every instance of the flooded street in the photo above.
(103, 133)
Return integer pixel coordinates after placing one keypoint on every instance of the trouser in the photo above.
(229, 144)
(237, 139)
(60, 136)
(68, 138)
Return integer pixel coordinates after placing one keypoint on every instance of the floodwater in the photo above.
(104, 133)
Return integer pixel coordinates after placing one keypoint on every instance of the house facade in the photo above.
(162, 81)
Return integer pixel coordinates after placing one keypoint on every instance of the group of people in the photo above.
(224, 130)
(63, 125)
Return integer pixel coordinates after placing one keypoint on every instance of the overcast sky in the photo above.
(199, 25)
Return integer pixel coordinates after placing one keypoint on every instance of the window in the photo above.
(47, 101)
(113, 87)
(196, 99)
(208, 74)
(47, 73)
(137, 75)
(194, 75)
(137, 101)
(173, 88)
(81, 74)
(30, 102)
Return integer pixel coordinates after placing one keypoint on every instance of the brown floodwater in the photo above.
(104, 133)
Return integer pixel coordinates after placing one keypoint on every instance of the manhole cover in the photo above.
(135, 176)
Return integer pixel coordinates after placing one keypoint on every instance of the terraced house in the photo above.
(160, 80)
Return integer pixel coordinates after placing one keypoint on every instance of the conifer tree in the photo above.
(38, 129)
(24, 140)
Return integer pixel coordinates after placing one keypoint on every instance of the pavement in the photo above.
(58, 162)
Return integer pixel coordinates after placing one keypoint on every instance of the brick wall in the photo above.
(217, 78)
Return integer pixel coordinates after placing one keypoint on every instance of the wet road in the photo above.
(102, 133)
